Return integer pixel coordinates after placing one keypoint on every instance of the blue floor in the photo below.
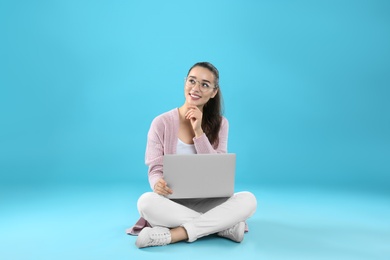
(89, 222)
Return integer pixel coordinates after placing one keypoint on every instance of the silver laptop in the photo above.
(200, 175)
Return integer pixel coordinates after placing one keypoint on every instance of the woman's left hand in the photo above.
(195, 116)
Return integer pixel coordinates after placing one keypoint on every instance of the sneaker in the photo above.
(157, 236)
(235, 233)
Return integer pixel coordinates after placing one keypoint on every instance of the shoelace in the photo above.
(159, 239)
(228, 232)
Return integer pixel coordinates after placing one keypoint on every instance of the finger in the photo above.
(162, 188)
(188, 112)
(159, 187)
(187, 115)
(193, 107)
(160, 191)
(162, 182)
(191, 115)
(168, 190)
(164, 193)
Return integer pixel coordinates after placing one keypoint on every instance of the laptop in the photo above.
(199, 175)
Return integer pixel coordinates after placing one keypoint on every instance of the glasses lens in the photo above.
(191, 83)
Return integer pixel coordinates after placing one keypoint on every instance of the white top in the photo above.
(183, 148)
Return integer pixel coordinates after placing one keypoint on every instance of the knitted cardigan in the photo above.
(162, 139)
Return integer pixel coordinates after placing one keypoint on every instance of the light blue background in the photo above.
(306, 90)
(306, 86)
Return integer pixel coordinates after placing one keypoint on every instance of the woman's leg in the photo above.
(236, 209)
(160, 211)
(190, 224)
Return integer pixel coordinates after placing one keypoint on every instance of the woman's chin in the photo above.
(191, 101)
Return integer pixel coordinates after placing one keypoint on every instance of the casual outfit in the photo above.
(200, 217)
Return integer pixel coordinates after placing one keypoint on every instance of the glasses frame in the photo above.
(188, 85)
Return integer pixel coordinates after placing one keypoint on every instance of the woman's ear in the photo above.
(215, 93)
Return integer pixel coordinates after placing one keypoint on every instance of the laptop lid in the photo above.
(200, 175)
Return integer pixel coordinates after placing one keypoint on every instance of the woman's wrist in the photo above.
(199, 133)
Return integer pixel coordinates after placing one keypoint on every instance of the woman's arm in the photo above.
(202, 143)
(154, 154)
(155, 148)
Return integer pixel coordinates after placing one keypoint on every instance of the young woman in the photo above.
(196, 127)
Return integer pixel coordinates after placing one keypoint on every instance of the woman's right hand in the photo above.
(161, 188)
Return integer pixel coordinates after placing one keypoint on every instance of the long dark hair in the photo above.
(212, 110)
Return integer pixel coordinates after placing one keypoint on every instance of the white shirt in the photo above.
(183, 148)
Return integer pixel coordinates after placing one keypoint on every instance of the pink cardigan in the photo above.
(162, 139)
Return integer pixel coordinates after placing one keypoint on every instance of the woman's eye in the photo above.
(192, 81)
(205, 85)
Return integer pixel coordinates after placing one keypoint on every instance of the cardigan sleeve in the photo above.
(155, 152)
(202, 143)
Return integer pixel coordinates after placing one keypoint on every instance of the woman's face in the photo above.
(195, 87)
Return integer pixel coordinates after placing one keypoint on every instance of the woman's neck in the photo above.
(182, 112)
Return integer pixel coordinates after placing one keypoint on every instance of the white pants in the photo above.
(200, 217)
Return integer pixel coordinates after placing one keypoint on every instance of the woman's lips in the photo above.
(194, 96)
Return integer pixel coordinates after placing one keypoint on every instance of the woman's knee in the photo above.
(249, 199)
(145, 201)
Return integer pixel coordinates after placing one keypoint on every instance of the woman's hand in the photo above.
(161, 188)
(195, 116)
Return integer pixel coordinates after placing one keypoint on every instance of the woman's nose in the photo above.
(197, 84)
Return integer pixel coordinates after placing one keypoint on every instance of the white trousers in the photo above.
(200, 217)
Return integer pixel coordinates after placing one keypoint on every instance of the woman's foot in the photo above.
(156, 236)
(235, 233)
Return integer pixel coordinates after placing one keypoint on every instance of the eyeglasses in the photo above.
(203, 86)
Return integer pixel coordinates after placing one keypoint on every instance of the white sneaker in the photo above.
(235, 233)
(157, 236)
